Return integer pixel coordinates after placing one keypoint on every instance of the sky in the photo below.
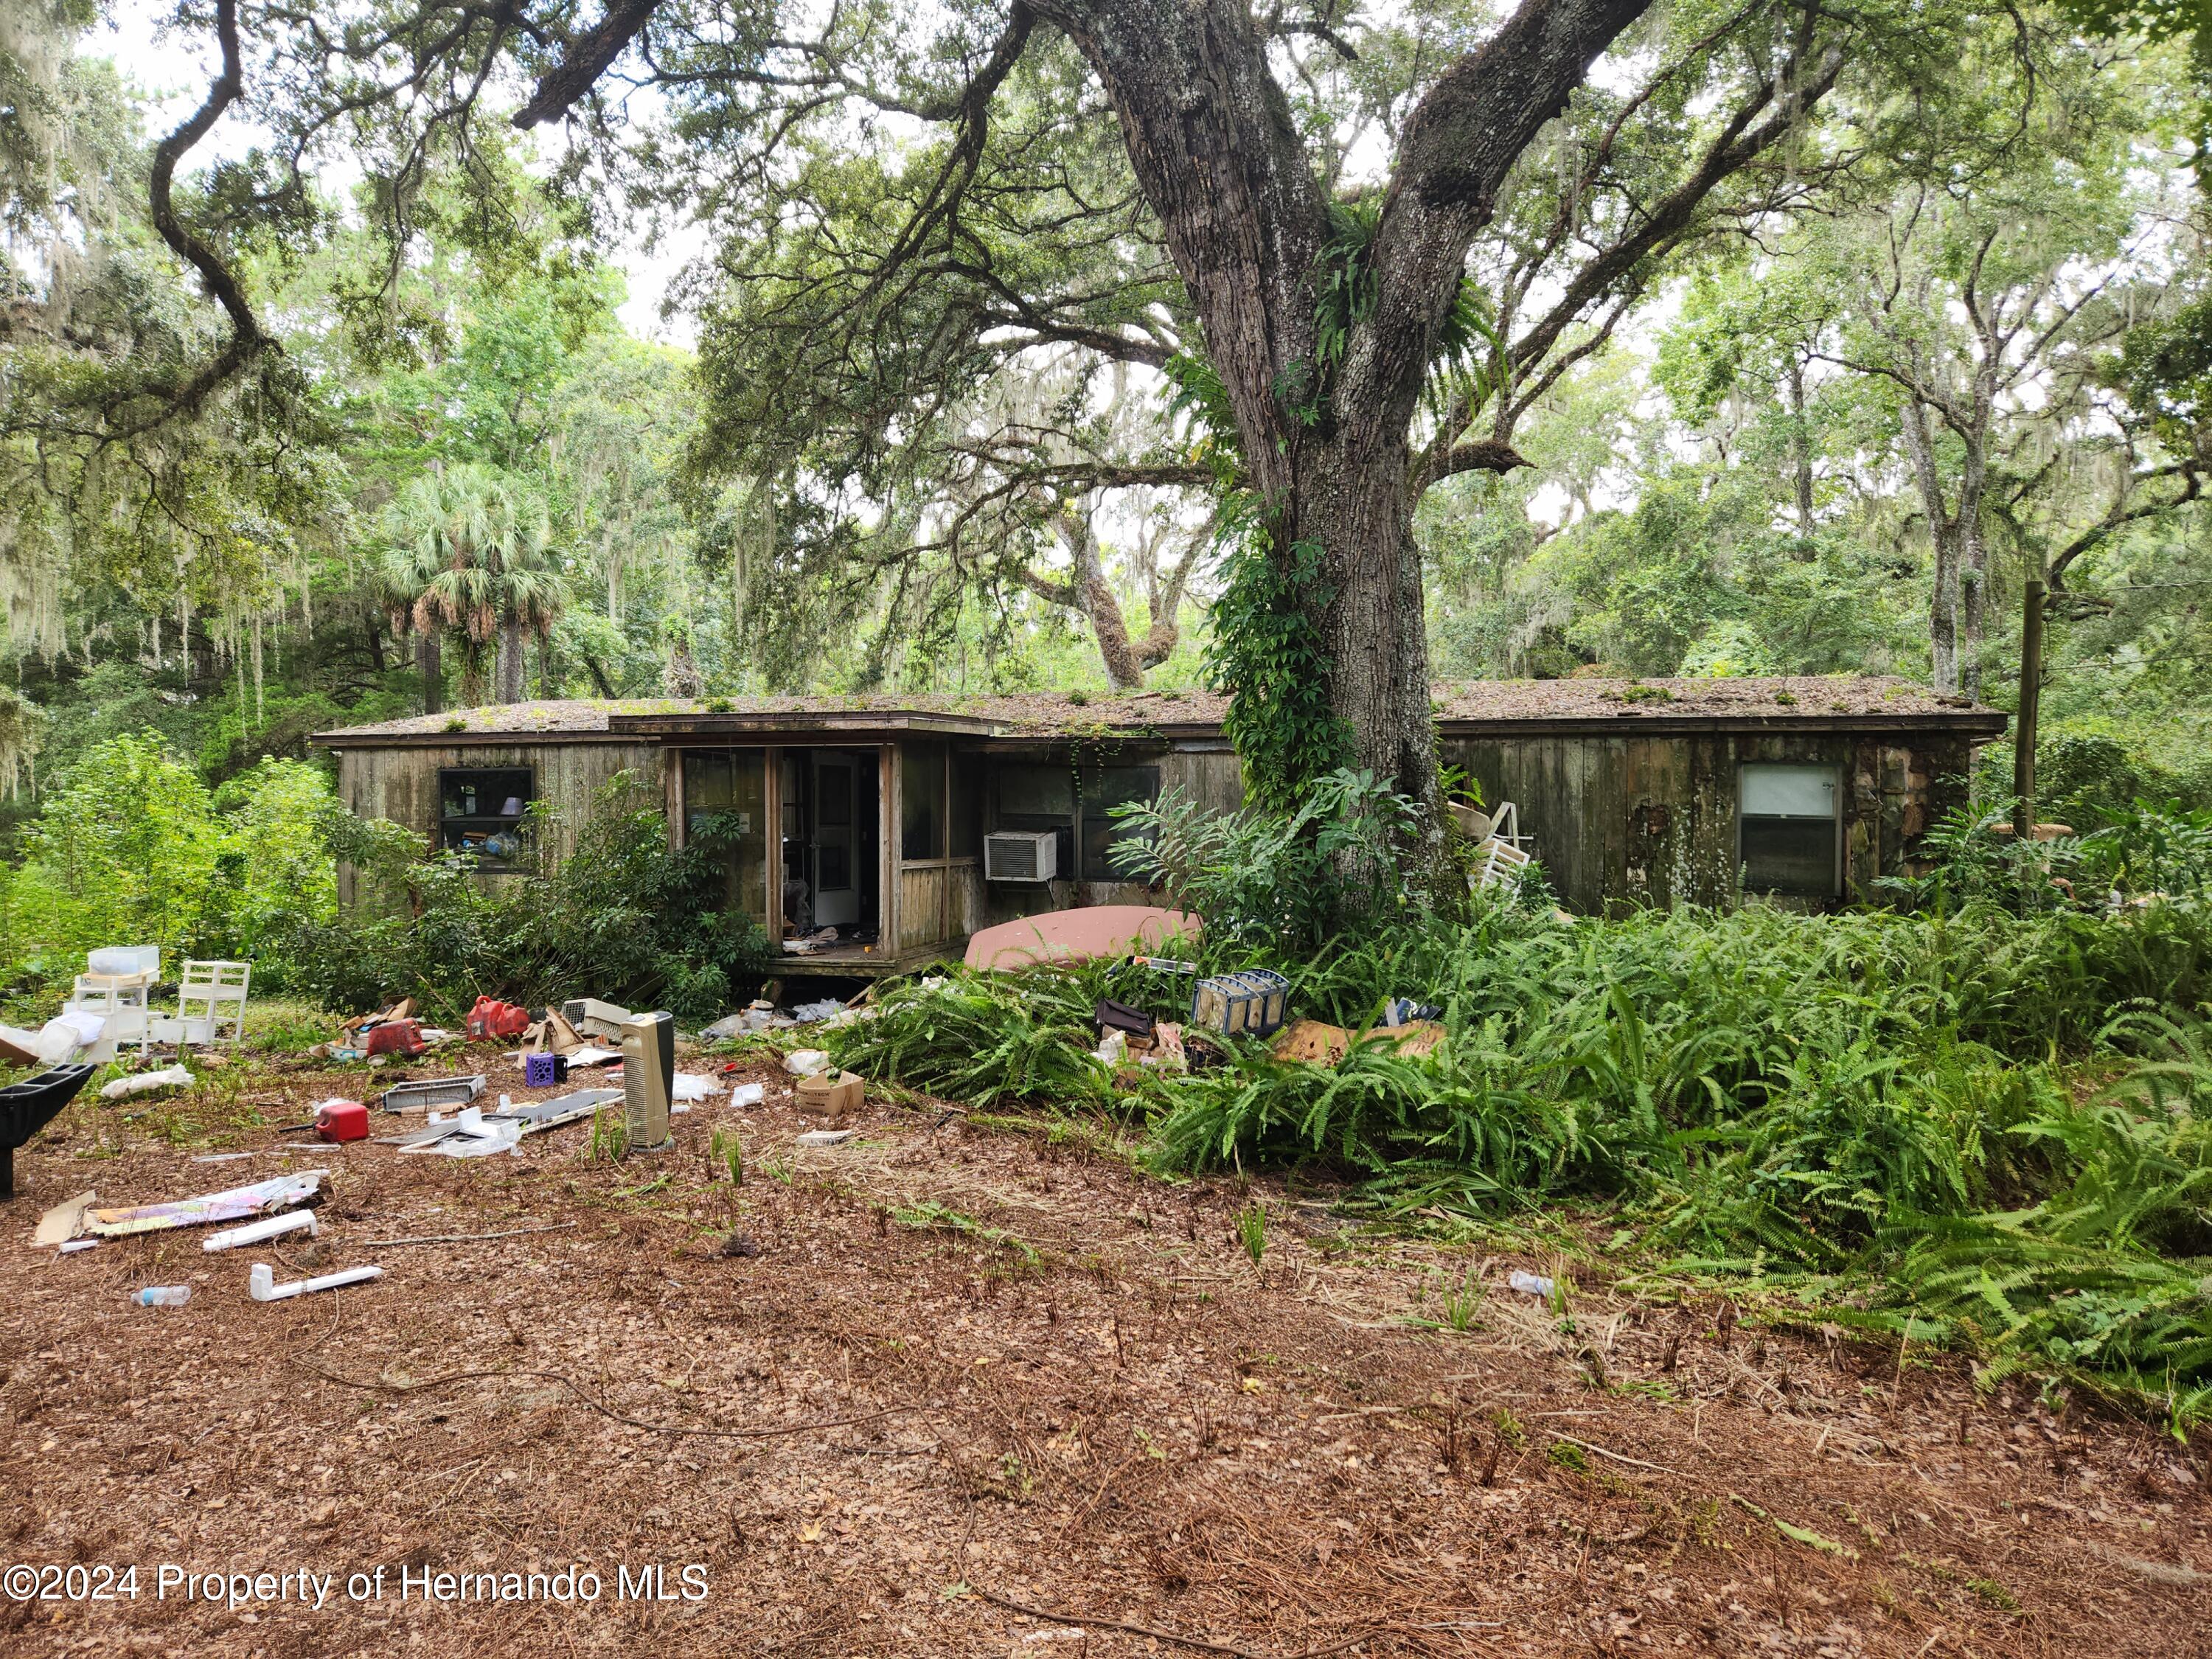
(173, 70)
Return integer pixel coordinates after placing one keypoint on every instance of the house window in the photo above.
(921, 800)
(1790, 830)
(725, 817)
(1077, 805)
(1036, 797)
(1104, 789)
(481, 811)
(967, 806)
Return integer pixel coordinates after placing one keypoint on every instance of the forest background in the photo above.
(1947, 332)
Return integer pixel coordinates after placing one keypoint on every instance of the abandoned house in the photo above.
(905, 824)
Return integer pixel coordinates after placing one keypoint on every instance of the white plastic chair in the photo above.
(218, 989)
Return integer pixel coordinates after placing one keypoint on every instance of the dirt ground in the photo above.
(949, 1388)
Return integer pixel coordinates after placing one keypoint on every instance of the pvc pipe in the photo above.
(254, 1232)
(262, 1282)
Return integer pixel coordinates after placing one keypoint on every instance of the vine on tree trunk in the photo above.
(1267, 654)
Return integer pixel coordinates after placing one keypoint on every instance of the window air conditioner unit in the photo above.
(1012, 856)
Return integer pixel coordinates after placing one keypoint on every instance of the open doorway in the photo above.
(830, 803)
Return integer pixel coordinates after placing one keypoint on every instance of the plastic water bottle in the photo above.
(164, 1296)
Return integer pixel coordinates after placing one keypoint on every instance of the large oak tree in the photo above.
(1354, 350)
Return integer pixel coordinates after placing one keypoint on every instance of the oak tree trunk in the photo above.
(1326, 446)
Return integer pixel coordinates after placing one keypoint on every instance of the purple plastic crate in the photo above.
(543, 1071)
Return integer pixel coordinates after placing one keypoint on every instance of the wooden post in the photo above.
(2030, 699)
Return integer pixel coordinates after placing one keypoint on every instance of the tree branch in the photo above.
(247, 342)
(559, 87)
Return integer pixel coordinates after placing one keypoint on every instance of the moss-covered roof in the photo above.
(1823, 700)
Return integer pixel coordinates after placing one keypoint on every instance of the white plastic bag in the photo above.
(146, 1083)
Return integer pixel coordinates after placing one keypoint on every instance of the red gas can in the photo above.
(492, 1018)
(395, 1036)
(342, 1120)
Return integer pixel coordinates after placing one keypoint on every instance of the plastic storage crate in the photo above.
(1249, 1003)
(435, 1091)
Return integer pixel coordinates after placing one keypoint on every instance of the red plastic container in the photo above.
(492, 1018)
(394, 1037)
(342, 1120)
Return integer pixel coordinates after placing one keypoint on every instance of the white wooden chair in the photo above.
(1502, 861)
(210, 995)
(1503, 857)
(117, 999)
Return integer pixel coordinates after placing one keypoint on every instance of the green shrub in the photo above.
(1882, 1113)
(1286, 880)
(133, 848)
(623, 915)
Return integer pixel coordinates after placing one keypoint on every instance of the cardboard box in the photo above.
(833, 1094)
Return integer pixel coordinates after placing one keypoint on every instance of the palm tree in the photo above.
(473, 559)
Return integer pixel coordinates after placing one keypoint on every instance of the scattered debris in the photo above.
(689, 1085)
(341, 1120)
(147, 1083)
(162, 1295)
(1315, 1043)
(808, 1013)
(64, 1221)
(833, 1094)
(27, 1107)
(748, 1094)
(254, 1232)
(491, 1019)
(470, 1135)
(806, 1062)
(435, 1091)
(568, 1109)
(826, 1137)
(544, 1069)
(393, 1030)
(403, 1009)
(262, 1283)
(1167, 1053)
(1531, 1283)
(553, 1035)
(1113, 1048)
(235, 1203)
(593, 1017)
(1312, 1042)
(1404, 1011)
(75, 1244)
(65, 1038)
(1112, 1016)
(1249, 1003)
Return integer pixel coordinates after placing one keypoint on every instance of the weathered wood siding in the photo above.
(1624, 822)
(1209, 774)
(401, 784)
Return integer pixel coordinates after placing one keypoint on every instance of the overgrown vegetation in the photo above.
(133, 848)
(1969, 1124)
(619, 914)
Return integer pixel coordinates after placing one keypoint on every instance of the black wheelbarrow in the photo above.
(27, 1107)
